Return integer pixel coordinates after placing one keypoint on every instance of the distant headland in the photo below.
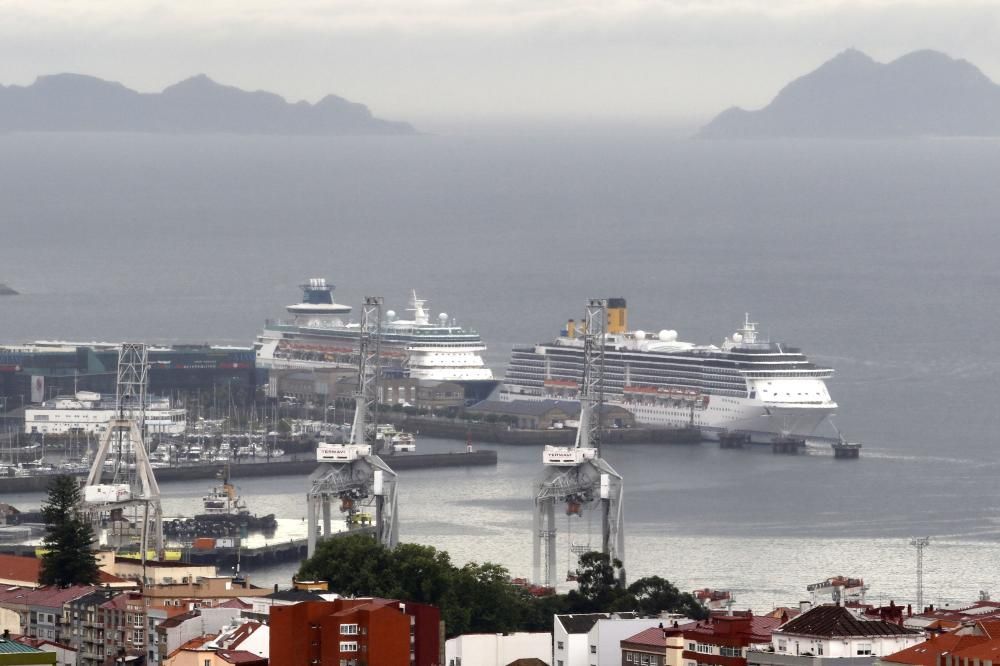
(75, 102)
(924, 93)
(6, 291)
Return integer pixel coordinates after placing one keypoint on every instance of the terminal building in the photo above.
(35, 372)
(89, 413)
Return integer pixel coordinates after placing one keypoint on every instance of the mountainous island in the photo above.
(924, 93)
(6, 291)
(75, 102)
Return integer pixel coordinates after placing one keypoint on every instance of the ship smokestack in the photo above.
(571, 329)
(617, 315)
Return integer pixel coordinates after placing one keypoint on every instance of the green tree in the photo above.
(597, 579)
(355, 565)
(653, 595)
(68, 558)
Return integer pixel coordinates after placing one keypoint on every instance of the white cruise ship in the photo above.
(748, 384)
(321, 335)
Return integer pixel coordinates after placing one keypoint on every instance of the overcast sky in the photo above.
(430, 60)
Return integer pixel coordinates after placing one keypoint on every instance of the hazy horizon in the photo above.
(444, 62)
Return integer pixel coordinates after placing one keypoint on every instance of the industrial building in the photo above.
(34, 372)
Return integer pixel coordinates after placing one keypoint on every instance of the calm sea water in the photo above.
(878, 258)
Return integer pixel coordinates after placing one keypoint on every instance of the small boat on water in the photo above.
(223, 500)
(225, 514)
(399, 442)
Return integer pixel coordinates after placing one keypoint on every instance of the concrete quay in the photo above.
(500, 433)
(244, 470)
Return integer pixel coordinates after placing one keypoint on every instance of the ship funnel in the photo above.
(571, 329)
(617, 315)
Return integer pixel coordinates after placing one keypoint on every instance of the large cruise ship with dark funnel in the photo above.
(320, 334)
(749, 384)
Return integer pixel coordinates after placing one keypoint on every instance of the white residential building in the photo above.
(594, 639)
(88, 412)
(833, 632)
(497, 649)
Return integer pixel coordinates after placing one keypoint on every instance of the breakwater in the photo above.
(304, 466)
(503, 434)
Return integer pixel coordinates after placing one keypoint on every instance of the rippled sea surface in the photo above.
(878, 258)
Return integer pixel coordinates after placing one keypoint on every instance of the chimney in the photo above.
(805, 606)
(909, 610)
(6, 634)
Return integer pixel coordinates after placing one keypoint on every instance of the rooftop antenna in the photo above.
(920, 543)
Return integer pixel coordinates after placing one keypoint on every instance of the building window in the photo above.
(819, 649)
(628, 657)
(704, 649)
(864, 649)
(559, 645)
(348, 646)
(727, 651)
(207, 662)
(782, 645)
(691, 647)
(349, 629)
(593, 649)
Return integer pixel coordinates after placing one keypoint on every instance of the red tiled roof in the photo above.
(239, 656)
(44, 596)
(235, 602)
(19, 568)
(27, 570)
(926, 653)
(179, 619)
(194, 644)
(754, 628)
(829, 621)
(653, 637)
(243, 632)
(36, 642)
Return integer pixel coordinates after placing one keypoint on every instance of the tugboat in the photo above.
(225, 515)
(223, 500)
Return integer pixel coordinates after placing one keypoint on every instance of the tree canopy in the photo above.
(68, 558)
(480, 597)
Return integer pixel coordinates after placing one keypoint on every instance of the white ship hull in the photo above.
(764, 421)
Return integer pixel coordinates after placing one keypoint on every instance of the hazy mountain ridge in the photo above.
(76, 102)
(921, 93)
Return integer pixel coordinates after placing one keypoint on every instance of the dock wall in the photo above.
(399, 462)
(502, 434)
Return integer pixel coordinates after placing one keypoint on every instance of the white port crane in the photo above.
(577, 475)
(353, 474)
(123, 460)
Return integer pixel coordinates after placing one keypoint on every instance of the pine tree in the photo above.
(68, 559)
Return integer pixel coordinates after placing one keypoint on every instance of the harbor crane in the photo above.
(122, 455)
(577, 475)
(353, 474)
